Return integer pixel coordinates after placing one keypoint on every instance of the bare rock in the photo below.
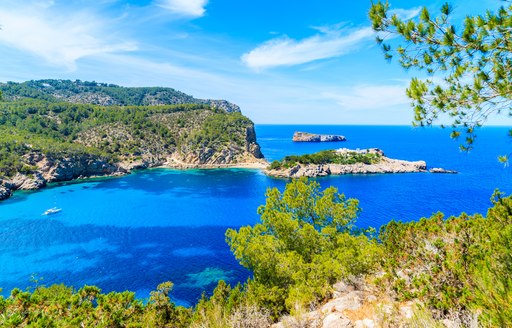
(336, 320)
(441, 170)
(406, 310)
(5, 192)
(28, 182)
(349, 301)
(365, 323)
(311, 137)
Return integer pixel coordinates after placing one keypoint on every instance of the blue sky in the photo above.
(287, 62)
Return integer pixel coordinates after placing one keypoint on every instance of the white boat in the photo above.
(52, 210)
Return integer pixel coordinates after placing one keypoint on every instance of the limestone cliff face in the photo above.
(69, 168)
(244, 151)
(51, 169)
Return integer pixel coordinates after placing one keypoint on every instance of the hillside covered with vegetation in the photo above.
(44, 138)
(83, 92)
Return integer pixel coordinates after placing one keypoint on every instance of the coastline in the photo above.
(7, 188)
(175, 164)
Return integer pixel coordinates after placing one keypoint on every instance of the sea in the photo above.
(157, 225)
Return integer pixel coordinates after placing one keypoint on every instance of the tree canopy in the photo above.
(468, 67)
(304, 243)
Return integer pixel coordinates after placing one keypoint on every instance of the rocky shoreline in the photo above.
(87, 166)
(385, 165)
(68, 170)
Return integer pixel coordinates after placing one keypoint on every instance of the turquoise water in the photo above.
(134, 232)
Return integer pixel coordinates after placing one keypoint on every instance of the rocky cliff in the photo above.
(53, 169)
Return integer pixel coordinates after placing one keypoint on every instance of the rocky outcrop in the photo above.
(243, 149)
(385, 165)
(220, 104)
(49, 169)
(5, 192)
(440, 170)
(311, 137)
(359, 303)
(354, 305)
(69, 168)
(32, 181)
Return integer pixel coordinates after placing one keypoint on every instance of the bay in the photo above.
(134, 232)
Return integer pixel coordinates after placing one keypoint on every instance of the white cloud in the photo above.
(190, 8)
(286, 51)
(364, 97)
(406, 14)
(59, 38)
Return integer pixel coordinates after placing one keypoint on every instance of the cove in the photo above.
(136, 231)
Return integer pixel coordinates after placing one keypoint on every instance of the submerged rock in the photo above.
(311, 137)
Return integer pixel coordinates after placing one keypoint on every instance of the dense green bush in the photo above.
(455, 266)
(327, 157)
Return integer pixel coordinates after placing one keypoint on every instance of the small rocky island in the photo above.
(312, 137)
(342, 161)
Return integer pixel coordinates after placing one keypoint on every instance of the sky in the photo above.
(282, 62)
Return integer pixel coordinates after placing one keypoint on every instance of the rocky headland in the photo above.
(343, 161)
(54, 130)
(312, 137)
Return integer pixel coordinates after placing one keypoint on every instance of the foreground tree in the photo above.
(305, 242)
(469, 67)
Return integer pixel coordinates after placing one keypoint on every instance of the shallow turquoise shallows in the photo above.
(134, 232)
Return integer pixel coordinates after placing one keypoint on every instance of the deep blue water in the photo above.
(134, 232)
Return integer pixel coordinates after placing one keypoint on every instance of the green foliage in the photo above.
(473, 61)
(113, 133)
(454, 266)
(327, 157)
(83, 92)
(305, 242)
(220, 129)
(61, 306)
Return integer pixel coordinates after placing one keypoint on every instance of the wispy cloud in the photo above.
(362, 97)
(188, 8)
(59, 38)
(406, 13)
(285, 51)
